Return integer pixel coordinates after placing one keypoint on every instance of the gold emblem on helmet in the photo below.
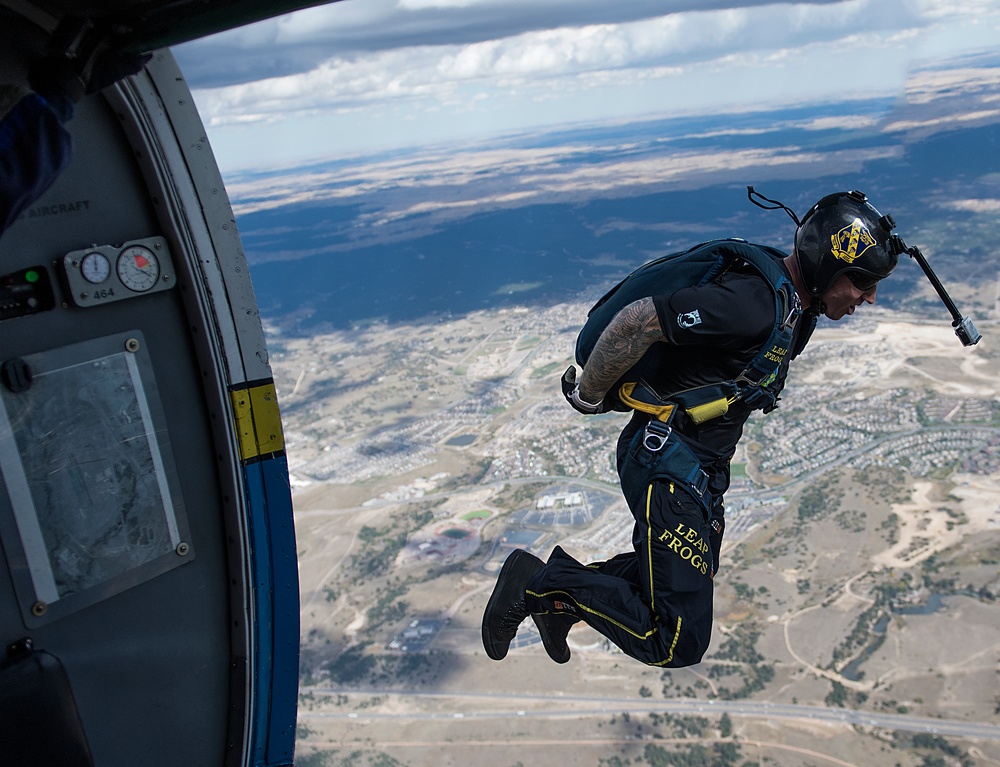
(851, 241)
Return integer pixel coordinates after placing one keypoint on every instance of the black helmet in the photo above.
(844, 233)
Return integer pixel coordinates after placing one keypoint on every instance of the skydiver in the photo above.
(655, 602)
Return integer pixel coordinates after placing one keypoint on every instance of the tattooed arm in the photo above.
(626, 338)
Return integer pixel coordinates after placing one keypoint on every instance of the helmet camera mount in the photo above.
(965, 329)
(881, 265)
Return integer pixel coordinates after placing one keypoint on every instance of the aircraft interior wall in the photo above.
(126, 517)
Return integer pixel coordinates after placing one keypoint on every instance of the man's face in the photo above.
(844, 297)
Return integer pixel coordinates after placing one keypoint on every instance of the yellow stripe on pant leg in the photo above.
(652, 591)
(670, 655)
(649, 548)
(566, 597)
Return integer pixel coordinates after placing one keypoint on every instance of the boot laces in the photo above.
(511, 619)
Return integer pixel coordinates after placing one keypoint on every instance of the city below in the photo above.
(863, 522)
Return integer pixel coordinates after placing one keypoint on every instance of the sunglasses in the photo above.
(863, 282)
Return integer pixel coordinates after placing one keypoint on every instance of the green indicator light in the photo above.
(31, 276)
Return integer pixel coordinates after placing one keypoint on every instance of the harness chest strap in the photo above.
(750, 385)
(662, 411)
(701, 403)
(640, 397)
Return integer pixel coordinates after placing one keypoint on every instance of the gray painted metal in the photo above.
(159, 669)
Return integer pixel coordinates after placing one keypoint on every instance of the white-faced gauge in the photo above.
(95, 268)
(138, 268)
(97, 275)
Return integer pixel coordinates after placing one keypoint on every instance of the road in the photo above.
(465, 704)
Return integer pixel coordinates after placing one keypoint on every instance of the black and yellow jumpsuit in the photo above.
(655, 602)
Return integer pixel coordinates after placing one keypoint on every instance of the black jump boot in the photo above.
(506, 608)
(554, 627)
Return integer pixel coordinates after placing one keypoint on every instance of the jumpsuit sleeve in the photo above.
(734, 313)
(34, 148)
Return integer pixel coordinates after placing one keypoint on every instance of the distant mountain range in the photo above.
(538, 219)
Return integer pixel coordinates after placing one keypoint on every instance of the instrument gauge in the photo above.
(138, 268)
(95, 268)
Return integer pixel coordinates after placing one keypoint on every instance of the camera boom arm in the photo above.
(965, 329)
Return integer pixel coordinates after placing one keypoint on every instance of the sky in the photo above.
(365, 76)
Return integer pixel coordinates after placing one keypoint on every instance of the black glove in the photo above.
(571, 391)
(80, 60)
(112, 66)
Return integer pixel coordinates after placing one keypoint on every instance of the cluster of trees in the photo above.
(819, 500)
(353, 759)
(942, 753)
(380, 545)
(726, 754)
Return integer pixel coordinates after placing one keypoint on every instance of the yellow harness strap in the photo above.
(698, 414)
(709, 410)
(660, 412)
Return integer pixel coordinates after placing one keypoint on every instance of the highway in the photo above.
(464, 706)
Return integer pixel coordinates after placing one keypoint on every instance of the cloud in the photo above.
(380, 73)
(299, 42)
(988, 206)
(579, 57)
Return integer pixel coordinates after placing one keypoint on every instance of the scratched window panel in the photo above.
(94, 501)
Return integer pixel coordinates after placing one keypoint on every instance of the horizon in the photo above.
(347, 78)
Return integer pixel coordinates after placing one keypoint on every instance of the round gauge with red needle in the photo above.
(138, 268)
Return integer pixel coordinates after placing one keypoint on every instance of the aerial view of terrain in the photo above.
(420, 311)
(856, 606)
